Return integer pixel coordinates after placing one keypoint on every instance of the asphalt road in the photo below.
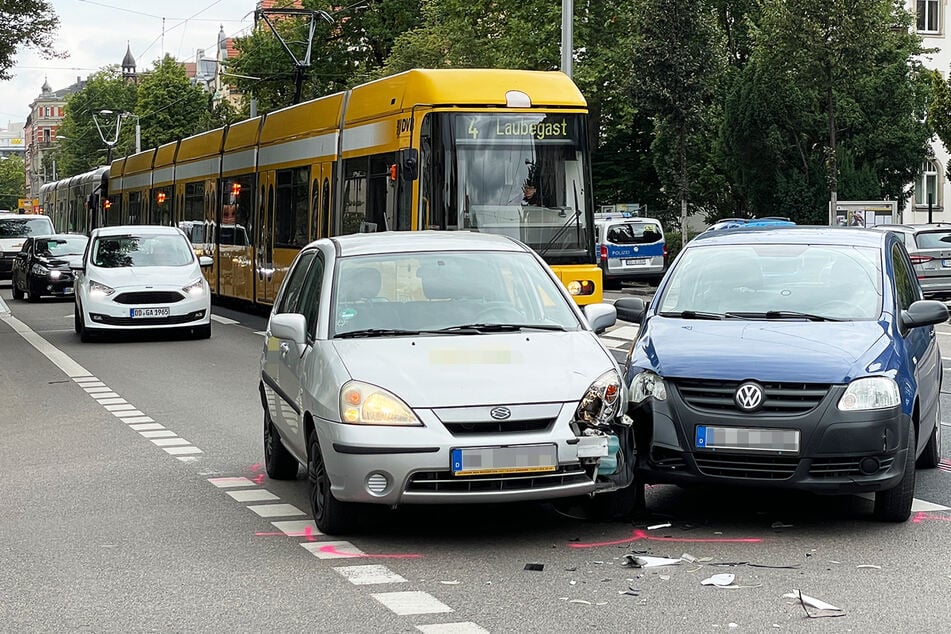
(135, 501)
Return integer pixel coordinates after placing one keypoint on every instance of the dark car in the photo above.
(929, 246)
(14, 230)
(41, 267)
(794, 357)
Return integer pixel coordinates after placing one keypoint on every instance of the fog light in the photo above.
(377, 483)
(868, 466)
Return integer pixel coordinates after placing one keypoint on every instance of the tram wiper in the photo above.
(375, 332)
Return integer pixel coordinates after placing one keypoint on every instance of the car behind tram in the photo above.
(425, 149)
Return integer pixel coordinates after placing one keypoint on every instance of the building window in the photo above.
(928, 16)
(926, 186)
(46, 135)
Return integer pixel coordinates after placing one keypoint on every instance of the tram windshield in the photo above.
(523, 175)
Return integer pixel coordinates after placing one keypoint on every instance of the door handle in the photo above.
(284, 348)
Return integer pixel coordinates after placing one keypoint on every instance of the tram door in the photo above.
(266, 288)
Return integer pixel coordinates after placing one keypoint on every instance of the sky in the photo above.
(96, 33)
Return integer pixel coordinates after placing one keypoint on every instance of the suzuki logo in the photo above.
(500, 413)
(749, 397)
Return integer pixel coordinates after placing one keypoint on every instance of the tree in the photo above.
(26, 23)
(169, 106)
(12, 181)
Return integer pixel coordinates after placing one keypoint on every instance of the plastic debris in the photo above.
(656, 526)
(644, 561)
(823, 609)
(454, 582)
(581, 601)
(535, 567)
(721, 580)
(872, 566)
(780, 525)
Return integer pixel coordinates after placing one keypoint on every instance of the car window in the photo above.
(839, 282)
(428, 291)
(634, 233)
(934, 240)
(905, 288)
(141, 250)
(295, 283)
(22, 227)
(310, 295)
(57, 247)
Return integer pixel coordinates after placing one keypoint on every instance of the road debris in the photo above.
(656, 526)
(454, 582)
(872, 566)
(823, 609)
(721, 580)
(644, 561)
(781, 525)
(535, 567)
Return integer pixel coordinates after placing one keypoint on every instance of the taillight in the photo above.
(920, 259)
(604, 252)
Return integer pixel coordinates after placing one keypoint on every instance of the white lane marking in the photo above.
(103, 395)
(188, 458)
(87, 380)
(59, 358)
(297, 528)
(414, 602)
(158, 433)
(4, 309)
(624, 332)
(333, 550)
(223, 320)
(170, 442)
(369, 575)
(464, 627)
(146, 426)
(114, 401)
(124, 413)
(260, 332)
(139, 419)
(276, 510)
(222, 483)
(253, 495)
(118, 409)
(93, 388)
(177, 451)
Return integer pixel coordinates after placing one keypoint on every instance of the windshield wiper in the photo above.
(783, 314)
(374, 332)
(480, 327)
(691, 314)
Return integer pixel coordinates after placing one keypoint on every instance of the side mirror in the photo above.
(204, 260)
(600, 316)
(409, 164)
(630, 309)
(925, 312)
(289, 327)
(77, 267)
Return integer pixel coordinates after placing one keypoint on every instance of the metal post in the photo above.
(930, 206)
(567, 36)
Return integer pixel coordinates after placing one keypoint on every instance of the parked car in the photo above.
(749, 223)
(434, 367)
(929, 246)
(42, 266)
(629, 249)
(141, 277)
(14, 230)
(800, 358)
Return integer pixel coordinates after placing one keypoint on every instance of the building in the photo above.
(11, 140)
(39, 134)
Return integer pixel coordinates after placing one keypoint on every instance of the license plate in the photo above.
(946, 264)
(637, 262)
(68, 290)
(747, 438)
(495, 460)
(140, 313)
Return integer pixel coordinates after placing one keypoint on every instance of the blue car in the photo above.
(794, 357)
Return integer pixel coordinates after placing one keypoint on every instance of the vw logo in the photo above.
(500, 413)
(749, 396)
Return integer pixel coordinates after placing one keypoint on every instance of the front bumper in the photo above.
(839, 452)
(6, 264)
(109, 314)
(44, 285)
(415, 461)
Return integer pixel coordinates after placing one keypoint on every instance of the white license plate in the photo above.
(513, 459)
(637, 262)
(68, 290)
(946, 264)
(748, 438)
(145, 313)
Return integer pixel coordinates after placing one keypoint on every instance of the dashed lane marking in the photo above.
(158, 433)
(178, 451)
(297, 528)
(332, 550)
(223, 483)
(413, 602)
(104, 395)
(146, 426)
(253, 495)
(276, 510)
(370, 574)
(170, 442)
(138, 419)
(464, 627)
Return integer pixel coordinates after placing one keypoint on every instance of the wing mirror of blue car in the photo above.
(205, 260)
(630, 309)
(288, 327)
(600, 316)
(925, 312)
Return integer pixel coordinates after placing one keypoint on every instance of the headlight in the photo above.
(647, 384)
(873, 392)
(196, 288)
(574, 287)
(599, 404)
(55, 275)
(98, 290)
(39, 269)
(365, 404)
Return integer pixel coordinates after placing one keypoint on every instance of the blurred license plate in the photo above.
(139, 313)
(68, 290)
(514, 459)
(946, 264)
(752, 439)
(637, 262)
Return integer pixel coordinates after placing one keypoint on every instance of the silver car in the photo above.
(929, 247)
(439, 367)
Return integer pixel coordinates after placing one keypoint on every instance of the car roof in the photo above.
(415, 241)
(916, 228)
(60, 236)
(14, 216)
(124, 230)
(793, 234)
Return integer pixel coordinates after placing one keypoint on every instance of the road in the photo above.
(136, 501)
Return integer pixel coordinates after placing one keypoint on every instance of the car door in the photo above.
(921, 348)
(21, 265)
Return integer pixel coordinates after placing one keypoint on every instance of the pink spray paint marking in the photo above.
(256, 467)
(639, 534)
(330, 549)
(307, 533)
(258, 479)
(921, 516)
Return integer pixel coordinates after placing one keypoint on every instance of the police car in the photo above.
(629, 248)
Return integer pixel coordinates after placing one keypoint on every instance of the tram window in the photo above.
(365, 193)
(135, 208)
(162, 198)
(354, 197)
(315, 206)
(290, 211)
(194, 202)
(237, 196)
(325, 207)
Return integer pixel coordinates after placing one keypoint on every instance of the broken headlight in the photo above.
(600, 403)
(647, 384)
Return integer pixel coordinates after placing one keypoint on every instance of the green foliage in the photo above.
(26, 23)
(12, 181)
(168, 105)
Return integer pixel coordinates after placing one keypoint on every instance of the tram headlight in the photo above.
(574, 287)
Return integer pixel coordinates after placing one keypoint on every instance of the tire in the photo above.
(331, 516)
(77, 320)
(30, 295)
(931, 456)
(202, 332)
(17, 291)
(278, 461)
(894, 505)
(623, 504)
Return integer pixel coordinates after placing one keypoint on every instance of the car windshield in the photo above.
(435, 291)
(23, 227)
(141, 250)
(634, 233)
(57, 247)
(775, 281)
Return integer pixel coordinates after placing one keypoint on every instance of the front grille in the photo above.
(151, 321)
(149, 297)
(746, 467)
(845, 467)
(499, 426)
(780, 398)
(445, 482)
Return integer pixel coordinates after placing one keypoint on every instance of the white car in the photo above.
(141, 277)
(14, 230)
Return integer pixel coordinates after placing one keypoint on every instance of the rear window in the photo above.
(934, 240)
(634, 233)
(24, 227)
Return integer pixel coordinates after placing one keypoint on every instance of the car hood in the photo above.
(734, 350)
(61, 261)
(137, 276)
(489, 369)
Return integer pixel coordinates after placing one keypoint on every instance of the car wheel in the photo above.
(17, 291)
(278, 461)
(77, 320)
(931, 456)
(623, 504)
(894, 505)
(202, 332)
(330, 515)
(31, 295)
